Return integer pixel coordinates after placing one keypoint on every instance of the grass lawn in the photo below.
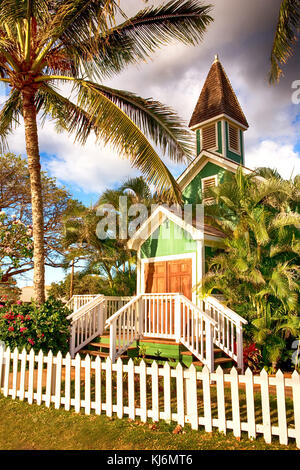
(33, 427)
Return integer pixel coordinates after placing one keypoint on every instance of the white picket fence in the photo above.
(213, 400)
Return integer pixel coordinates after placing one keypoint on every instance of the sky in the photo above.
(242, 35)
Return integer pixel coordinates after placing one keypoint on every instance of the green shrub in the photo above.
(35, 326)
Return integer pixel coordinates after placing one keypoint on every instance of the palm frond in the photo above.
(135, 39)
(95, 112)
(157, 121)
(285, 37)
(9, 117)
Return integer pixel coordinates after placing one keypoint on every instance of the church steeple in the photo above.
(218, 118)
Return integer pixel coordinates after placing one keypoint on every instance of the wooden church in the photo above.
(166, 319)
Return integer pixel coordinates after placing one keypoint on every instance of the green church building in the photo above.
(166, 319)
(172, 259)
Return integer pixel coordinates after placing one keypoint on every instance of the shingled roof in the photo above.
(217, 97)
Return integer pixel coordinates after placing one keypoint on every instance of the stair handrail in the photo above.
(196, 331)
(202, 312)
(121, 310)
(81, 311)
(74, 300)
(228, 334)
(122, 334)
(226, 310)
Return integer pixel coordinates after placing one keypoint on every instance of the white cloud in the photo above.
(90, 168)
(271, 154)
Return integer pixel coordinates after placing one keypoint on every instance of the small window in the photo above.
(234, 142)
(209, 137)
(207, 184)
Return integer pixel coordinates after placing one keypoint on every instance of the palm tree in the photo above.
(285, 37)
(258, 271)
(48, 43)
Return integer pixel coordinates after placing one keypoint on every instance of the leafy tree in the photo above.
(15, 202)
(45, 44)
(259, 269)
(108, 258)
(16, 246)
(124, 283)
(286, 34)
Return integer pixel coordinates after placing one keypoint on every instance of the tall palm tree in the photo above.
(48, 43)
(285, 37)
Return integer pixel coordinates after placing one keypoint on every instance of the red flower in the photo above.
(23, 329)
(10, 328)
(31, 341)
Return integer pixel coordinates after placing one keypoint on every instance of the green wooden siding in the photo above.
(168, 241)
(232, 155)
(220, 140)
(198, 141)
(192, 194)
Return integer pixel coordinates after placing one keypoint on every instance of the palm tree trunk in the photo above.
(32, 149)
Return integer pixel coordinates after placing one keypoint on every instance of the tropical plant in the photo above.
(15, 246)
(35, 326)
(258, 271)
(47, 44)
(285, 38)
(15, 201)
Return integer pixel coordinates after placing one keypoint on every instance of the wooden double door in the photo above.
(169, 276)
(174, 276)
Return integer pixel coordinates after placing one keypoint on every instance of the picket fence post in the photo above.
(296, 401)
(265, 404)
(235, 400)
(40, 377)
(6, 376)
(167, 392)
(281, 407)
(143, 391)
(207, 399)
(120, 409)
(221, 400)
(250, 404)
(1, 363)
(108, 370)
(98, 383)
(22, 374)
(15, 373)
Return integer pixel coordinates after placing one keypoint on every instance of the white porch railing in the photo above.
(88, 321)
(166, 316)
(228, 333)
(78, 301)
(170, 316)
(197, 332)
(125, 327)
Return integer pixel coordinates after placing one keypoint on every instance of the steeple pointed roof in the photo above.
(217, 97)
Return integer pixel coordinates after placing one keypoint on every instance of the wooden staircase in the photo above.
(168, 349)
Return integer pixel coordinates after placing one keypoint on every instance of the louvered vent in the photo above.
(209, 137)
(234, 138)
(207, 184)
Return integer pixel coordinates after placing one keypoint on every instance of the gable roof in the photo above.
(199, 162)
(161, 213)
(217, 98)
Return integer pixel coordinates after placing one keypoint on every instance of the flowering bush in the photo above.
(29, 326)
(252, 356)
(15, 240)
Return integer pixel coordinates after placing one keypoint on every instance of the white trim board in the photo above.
(207, 156)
